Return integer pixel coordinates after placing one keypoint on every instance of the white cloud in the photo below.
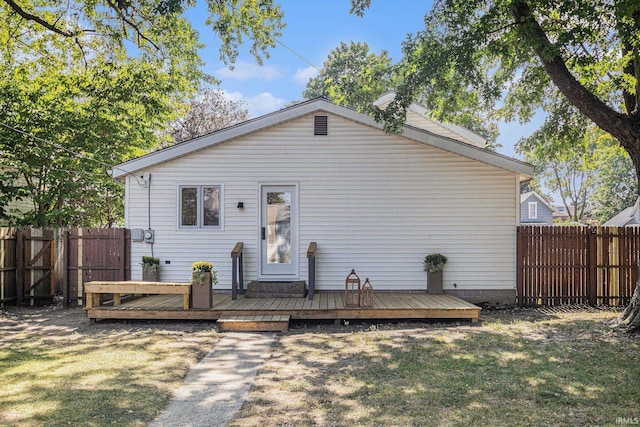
(303, 75)
(233, 96)
(264, 103)
(258, 105)
(246, 71)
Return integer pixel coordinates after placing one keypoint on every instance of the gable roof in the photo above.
(621, 219)
(627, 216)
(418, 116)
(319, 105)
(525, 196)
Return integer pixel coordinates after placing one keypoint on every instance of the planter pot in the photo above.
(434, 282)
(201, 292)
(150, 273)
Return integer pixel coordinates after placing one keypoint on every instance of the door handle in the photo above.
(264, 233)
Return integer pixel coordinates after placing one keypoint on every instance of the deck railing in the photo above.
(237, 274)
(311, 258)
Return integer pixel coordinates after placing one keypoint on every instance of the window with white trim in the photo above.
(199, 206)
(533, 210)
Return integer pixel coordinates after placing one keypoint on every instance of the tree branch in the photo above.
(134, 26)
(611, 121)
(30, 17)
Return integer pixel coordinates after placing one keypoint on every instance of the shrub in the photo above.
(434, 262)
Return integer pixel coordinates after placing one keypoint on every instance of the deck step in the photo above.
(265, 323)
(259, 289)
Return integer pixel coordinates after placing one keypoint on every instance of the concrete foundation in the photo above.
(497, 297)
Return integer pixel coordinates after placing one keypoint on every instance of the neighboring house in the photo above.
(560, 213)
(318, 172)
(534, 209)
(628, 217)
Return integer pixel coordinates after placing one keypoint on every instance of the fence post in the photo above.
(519, 266)
(122, 235)
(20, 264)
(65, 267)
(592, 287)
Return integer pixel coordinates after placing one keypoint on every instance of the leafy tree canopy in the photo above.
(85, 85)
(352, 76)
(355, 77)
(511, 57)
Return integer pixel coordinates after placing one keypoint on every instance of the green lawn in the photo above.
(516, 368)
(519, 367)
(58, 370)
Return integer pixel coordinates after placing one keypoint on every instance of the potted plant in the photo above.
(433, 265)
(150, 269)
(203, 276)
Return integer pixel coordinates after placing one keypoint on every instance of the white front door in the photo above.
(279, 232)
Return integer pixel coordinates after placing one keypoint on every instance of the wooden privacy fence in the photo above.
(37, 264)
(577, 265)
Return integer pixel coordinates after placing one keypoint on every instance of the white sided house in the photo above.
(318, 172)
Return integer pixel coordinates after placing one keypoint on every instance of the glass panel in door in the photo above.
(278, 230)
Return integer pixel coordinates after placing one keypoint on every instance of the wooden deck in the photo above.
(325, 305)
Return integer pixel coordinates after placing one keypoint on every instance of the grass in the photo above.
(58, 370)
(517, 368)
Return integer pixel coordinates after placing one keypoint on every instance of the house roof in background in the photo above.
(418, 116)
(625, 217)
(319, 105)
(525, 196)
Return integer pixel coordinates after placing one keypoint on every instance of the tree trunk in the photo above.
(624, 127)
(630, 318)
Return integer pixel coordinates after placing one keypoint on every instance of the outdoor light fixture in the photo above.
(240, 205)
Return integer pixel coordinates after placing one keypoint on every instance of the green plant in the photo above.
(150, 261)
(434, 262)
(199, 270)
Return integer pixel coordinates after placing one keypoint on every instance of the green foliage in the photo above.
(577, 60)
(616, 187)
(434, 262)
(586, 166)
(234, 20)
(150, 260)
(86, 85)
(352, 76)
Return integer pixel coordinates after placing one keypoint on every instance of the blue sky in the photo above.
(313, 29)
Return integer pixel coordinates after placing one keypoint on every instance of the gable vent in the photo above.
(321, 125)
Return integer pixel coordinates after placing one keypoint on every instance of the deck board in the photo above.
(325, 305)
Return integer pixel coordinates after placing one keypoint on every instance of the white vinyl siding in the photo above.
(373, 202)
